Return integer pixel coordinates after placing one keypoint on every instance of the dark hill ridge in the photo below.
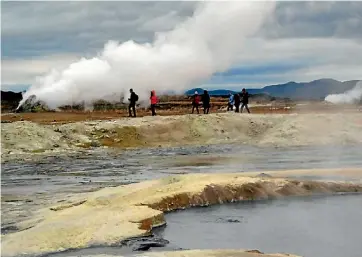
(314, 90)
(10, 100)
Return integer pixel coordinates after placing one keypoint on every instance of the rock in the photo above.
(145, 243)
(264, 175)
(33, 105)
(228, 220)
(254, 251)
(233, 221)
(9, 229)
(95, 144)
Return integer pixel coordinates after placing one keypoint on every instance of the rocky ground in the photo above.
(25, 137)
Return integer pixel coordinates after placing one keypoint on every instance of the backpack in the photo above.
(135, 97)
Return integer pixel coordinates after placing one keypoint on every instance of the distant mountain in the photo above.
(216, 92)
(314, 90)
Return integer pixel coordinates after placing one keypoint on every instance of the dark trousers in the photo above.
(230, 107)
(237, 107)
(153, 109)
(195, 106)
(132, 106)
(206, 109)
(246, 107)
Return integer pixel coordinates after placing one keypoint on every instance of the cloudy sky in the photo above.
(301, 41)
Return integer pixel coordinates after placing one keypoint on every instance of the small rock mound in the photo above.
(33, 105)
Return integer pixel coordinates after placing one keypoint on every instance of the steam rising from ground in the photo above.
(209, 41)
(353, 96)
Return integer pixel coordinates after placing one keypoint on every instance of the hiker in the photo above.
(237, 102)
(231, 102)
(154, 100)
(206, 102)
(132, 103)
(195, 102)
(244, 100)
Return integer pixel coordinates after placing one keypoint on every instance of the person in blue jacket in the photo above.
(231, 102)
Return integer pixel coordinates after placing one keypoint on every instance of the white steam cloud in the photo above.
(353, 96)
(210, 41)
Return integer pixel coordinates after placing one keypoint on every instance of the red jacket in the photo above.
(196, 99)
(153, 98)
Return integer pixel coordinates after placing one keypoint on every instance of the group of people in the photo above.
(205, 99)
(133, 100)
(236, 100)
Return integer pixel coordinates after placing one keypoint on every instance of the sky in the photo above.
(300, 41)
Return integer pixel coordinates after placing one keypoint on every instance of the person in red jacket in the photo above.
(195, 102)
(154, 100)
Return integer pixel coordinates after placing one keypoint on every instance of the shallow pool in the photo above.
(311, 227)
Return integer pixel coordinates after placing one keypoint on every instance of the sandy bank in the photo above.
(206, 253)
(113, 214)
(217, 253)
(271, 130)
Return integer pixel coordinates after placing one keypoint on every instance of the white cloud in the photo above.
(340, 59)
(323, 37)
(310, 58)
(313, 50)
(20, 71)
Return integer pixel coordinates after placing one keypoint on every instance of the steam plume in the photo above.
(353, 96)
(207, 42)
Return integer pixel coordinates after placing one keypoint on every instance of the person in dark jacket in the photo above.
(195, 102)
(244, 100)
(132, 103)
(237, 102)
(206, 102)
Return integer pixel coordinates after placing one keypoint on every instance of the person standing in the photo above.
(132, 103)
(195, 102)
(206, 102)
(244, 100)
(153, 100)
(231, 102)
(237, 102)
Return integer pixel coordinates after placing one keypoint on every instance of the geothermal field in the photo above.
(109, 187)
(81, 178)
